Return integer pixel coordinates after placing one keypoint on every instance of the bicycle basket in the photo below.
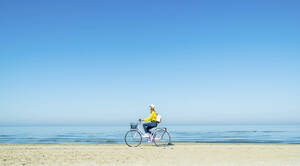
(133, 125)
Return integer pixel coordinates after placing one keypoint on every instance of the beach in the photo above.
(179, 154)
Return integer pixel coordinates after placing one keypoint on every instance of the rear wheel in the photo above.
(133, 138)
(162, 137)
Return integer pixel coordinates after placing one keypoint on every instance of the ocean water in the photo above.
(278, 134)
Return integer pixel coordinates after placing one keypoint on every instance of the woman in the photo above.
(152, 119)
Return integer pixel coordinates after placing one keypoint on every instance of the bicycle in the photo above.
(160, 136)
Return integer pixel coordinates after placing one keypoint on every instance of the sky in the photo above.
(105, 61)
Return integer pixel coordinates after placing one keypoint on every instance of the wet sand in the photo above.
(179, 154)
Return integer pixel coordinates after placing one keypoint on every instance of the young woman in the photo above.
(152, 121)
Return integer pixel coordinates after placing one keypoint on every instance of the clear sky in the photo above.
(105, 61)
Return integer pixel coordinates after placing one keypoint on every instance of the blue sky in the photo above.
(90, 62)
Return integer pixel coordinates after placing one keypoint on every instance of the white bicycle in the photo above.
(133, 137)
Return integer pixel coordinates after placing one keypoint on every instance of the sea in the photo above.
(53, 134)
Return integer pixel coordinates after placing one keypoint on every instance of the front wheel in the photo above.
(162, 137)
(133, 138)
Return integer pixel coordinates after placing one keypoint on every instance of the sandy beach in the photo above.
(179, 154)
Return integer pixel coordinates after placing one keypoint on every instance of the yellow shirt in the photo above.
(151, 117)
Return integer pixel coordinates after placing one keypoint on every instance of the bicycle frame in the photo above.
(141, 130)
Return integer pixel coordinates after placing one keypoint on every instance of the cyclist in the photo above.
(152, 119)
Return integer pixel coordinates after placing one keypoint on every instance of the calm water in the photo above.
(281, 134)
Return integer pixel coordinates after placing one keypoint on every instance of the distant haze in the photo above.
(99, 62)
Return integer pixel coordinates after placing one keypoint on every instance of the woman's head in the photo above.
(151, 107)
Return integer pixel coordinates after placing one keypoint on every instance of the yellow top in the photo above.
(151, 117)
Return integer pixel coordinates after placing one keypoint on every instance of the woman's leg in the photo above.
(146, 125)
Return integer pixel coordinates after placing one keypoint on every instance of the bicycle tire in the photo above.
(159, 135)
(137, 139)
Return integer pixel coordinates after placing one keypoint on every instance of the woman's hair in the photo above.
(152, 109)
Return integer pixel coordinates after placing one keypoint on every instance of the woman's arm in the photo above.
(149, 117)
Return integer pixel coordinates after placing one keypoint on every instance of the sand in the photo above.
(180, 154)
